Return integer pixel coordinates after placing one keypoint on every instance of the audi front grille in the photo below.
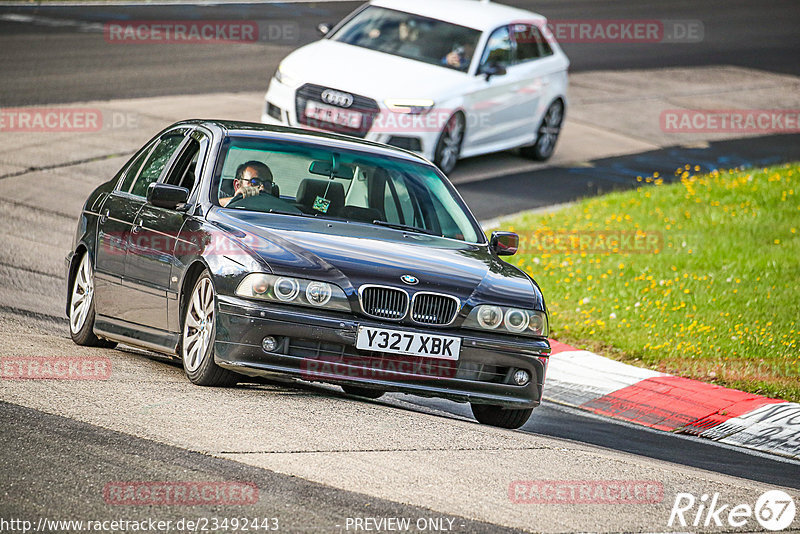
(367, 107)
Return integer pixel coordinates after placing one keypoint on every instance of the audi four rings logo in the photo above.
(410, 280)
(337, 98)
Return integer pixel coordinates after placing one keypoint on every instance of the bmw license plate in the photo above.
(333, 115)
(410, 343)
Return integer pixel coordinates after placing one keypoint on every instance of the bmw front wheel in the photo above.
(199, 333)
(498, 416)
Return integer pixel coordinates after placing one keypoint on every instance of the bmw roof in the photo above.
(241, 128)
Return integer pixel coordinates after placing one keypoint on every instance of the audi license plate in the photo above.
(410, 343)
(333, 115)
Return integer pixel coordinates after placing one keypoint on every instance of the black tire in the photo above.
(448, 147)
(547, 133)
(491, 415)
(199, 365)
(367, 393)
(81, 329)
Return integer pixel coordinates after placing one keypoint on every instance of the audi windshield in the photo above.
(410, 36)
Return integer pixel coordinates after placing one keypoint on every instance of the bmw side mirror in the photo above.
(171, 197)
(324, 28)
(493, 69)
(504, 243)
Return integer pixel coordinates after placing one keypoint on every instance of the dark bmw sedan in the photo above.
(244, 249)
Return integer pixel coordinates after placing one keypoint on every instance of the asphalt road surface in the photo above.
(70, 463)
(53, 61)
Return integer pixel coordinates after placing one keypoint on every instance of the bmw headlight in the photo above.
(517, 321)
(290, 290)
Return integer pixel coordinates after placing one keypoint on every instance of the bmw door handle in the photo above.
(136, 227)
(104, 216)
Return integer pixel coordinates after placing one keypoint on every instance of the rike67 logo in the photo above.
(774, 510)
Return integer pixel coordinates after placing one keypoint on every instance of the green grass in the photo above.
(712, 292)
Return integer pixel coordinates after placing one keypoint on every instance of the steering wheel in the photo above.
(262, 202)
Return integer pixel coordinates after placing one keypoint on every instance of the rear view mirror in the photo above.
(504, 243)
(323, 168)
(167, 196)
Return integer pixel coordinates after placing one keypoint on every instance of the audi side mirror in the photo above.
(171, 197)
(504, 243)
(493, 69)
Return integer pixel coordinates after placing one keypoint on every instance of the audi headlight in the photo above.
(513, 320)
(290, 290)
(413, 106)
(281, 76)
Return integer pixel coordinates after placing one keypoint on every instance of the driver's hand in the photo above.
(250, 191)
(454, 59)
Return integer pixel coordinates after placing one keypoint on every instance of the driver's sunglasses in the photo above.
(255, 182)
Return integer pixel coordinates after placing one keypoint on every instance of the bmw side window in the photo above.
(358, 193)
(154, 166)
(498, 49)
(530, 44)
(185, 172)
(407, 201)
(391, 203)
(400, 205)
(133, 170)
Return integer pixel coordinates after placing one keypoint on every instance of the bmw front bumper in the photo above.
(319, 346)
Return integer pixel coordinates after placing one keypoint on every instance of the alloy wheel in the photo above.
(198, 327)
(450, 144)
(550, 128)
(82, 295)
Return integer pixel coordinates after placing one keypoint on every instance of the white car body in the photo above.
(501, 111)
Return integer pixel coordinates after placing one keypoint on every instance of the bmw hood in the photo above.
(379, 76)
(351, 255)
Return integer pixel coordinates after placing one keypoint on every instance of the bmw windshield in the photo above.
(307, 180)
(411, 36)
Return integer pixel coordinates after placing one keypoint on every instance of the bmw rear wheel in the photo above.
(199, 333)
(548, 133)
(81, 307)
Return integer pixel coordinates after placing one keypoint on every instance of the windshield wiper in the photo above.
(296, 214)
(398, 226)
